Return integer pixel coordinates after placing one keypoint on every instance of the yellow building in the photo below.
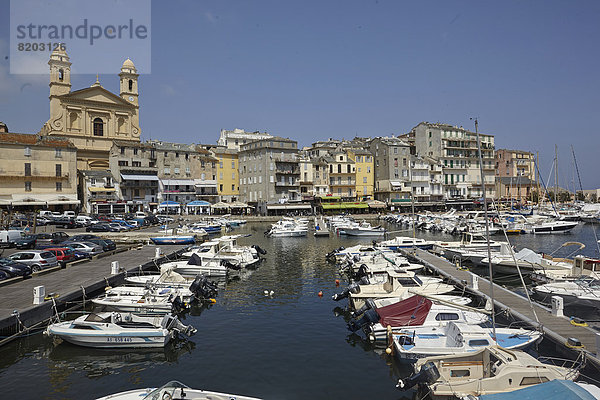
(228, 179)
(92, 117)
(365, 176)
(37, 172)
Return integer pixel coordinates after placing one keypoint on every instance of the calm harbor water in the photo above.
(288, 346)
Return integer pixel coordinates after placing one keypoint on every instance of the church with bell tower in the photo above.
(92, 118)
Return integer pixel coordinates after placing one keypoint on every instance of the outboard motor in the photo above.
(332, 253)
(364, 281)
(361, 272)
(231, 265)
(259, 250)
(369, 305)
(353, 288)
(427, 375)
(196, 284)
(177, 305)
(356, 258)
(368, 318)
(171, 322)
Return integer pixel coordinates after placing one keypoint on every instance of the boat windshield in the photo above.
(168, 388)
(96, 318)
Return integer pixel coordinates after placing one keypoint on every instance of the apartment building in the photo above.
(342, 174)
(235, 139)
(515, 163)
(135, 173)
(37, 172)
(392, 178)
(98, 193)
(269, 171)
(456, 149)
(426, 176)
(364, 173)
(228, 180)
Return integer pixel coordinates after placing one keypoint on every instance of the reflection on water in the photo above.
(291, 345)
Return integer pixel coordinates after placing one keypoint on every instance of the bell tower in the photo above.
(129, 82)
(60, 78)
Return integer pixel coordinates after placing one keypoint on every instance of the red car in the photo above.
(63, 254)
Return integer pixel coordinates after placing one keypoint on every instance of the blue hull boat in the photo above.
(174, 240)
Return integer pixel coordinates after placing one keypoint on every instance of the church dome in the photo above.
(128, 64)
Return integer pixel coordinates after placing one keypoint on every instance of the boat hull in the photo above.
(170, 240)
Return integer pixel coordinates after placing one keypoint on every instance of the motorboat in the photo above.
(196, 266)
(556, 389)
(141, 304)
(488, 370)
(402, 284)
(468, 242)
(584, 291)
(227, 249)
(458, 337)
(188, 291)
(167, 278)
(581, 266)
(556, 226)
(120, 330)
(360, 250)
(173, 391)
(174, 239)
(362, 229)
(405, 242)
(288, 228)
(381, 322)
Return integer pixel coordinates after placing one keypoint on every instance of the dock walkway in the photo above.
(558, 329)
(70, 284)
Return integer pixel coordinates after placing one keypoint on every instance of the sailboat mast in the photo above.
(577, 170)
(487, 227)
(555, 173)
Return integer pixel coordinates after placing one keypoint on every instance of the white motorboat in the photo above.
(381, 322)
(397, 285)
(144, 304)
(457, 337)
(288, 228)
(488, 370)
(226, 249)
(468, 242)
(584, 291)
(167, 278)
(528, 261)
(362, 229)
(405, 242)
(557, 226)
(120, 330)
(173, 391)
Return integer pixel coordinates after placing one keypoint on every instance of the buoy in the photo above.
(320, 293)
(388, 350)
(271, 293)
(337, 282)
(266, 292)
(212, 301)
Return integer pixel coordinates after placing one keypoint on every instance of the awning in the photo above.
(169, 204)
(198, 203)
(139, 177)
(288, 207)
(101, 189)
(328, 197)
(376, 204)
(65, 202)
(221, 205)
(238, 204)
(205, 183)
(180, 182)
(396, 183)
(28, 203)
(341, 205)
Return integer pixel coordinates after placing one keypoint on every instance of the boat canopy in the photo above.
(553, 390)
(411, 311)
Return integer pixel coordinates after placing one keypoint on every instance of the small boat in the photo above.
(456, 338)
(144, 304)
(172, 391)
(486, 371)
(556, 389)
(584, 291)
(120, 330)
(174, 239)
(288, 228)
(378, 323)
(557, 226)
(405, 242)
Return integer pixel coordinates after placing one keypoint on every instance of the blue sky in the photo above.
(310, 70)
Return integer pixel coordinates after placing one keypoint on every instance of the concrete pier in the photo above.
(72, 284)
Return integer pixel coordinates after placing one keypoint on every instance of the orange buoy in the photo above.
(337, 282)
(320, 293)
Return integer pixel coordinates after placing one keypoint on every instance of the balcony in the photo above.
(140, 184)
(286, 184)
(12, 175)
(288, 171)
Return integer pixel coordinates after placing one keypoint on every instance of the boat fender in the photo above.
(578, 322)
(574, 343)
(427, 375)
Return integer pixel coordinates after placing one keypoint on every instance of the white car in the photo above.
(117, 226)
(83, 220)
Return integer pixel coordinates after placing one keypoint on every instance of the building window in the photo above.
(233, 175)
(59, 186)
(123, 163)
(98, 127)
(176, 170)
(61, 75)
(233, 187)
(364, 179)
(203, 176)
(166, 154)
(130, 85)
(136, 192)
(176, 155)
(220, 176)
(152, 164)
(187, 170)
(221, 187)
(28, 186)
(58, 170)
(57, 153)
(27, 151)
(136, 163)
(167, 170)
(27, 169)
(202, 163)
(221, 164)
(92, 181)
(187, 156)
(135, 152)
(122, 150)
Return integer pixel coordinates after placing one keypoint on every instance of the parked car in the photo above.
(4, 275)
(91, 249)
(44, 240)
(36, 259)
(69, 214)
(42, 221)
(14, 268)
(9, 238)
(62, 254)
(26, 242)
(66, 223)
(100, 227)
(107, 244)
(83, 220)
(117, 227)
(83, 236)
(164, 219)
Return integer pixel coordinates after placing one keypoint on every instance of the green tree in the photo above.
(593, 198)
(564, 196)
(580, 196)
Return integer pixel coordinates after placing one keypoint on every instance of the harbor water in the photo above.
(292, 344)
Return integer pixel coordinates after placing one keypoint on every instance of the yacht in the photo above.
(119, 330)
(173, 391)
(362, 229)
(288, 228)
(405, 242)
(584, 291)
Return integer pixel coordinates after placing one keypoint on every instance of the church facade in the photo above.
(92, 118)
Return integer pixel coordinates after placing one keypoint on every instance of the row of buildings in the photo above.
(89, 155)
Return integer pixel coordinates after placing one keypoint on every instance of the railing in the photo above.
(283, 184)
(37, 177)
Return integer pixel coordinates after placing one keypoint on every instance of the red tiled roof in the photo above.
(35, 140)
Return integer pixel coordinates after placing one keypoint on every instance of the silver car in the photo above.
(36, 259)
(86, 247)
